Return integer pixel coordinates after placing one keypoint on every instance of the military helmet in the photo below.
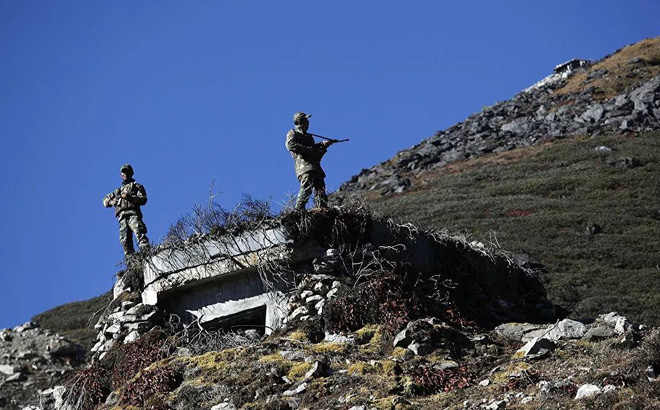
(299, 115)
(127, 169)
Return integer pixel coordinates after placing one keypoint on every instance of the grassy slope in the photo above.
(75, 320)
(622, 73)
(541, 199)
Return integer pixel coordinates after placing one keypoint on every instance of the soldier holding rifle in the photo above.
(127, 200)
(307, 155)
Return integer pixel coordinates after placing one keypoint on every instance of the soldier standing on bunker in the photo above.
(307, 156)
(127, 200)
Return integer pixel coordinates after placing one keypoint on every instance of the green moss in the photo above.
(358, 368)
(299, 335)
(338, 348)
(502, 377)
(298, 371)
(400, 352)
(367, 333)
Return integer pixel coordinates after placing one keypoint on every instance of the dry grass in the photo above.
(620, 77)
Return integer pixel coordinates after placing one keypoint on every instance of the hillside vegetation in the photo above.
(589, 216)
(75, 320)
(644, 57)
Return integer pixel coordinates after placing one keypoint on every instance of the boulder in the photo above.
(25, 326)
(402, 339)
(515, 331)
(593, 114)
(566, 329)
(643, 96)
(599, 332)
(62, 347)
(420, 349)
(587, 390)
(536, 347)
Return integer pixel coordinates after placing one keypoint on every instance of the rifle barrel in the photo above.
(328, 139)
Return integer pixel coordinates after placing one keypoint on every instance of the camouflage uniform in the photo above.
(307, 159)
(127, 211)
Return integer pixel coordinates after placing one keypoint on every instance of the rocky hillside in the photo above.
(619, 92)
(388, 317)
(34, 360)
(565, 175)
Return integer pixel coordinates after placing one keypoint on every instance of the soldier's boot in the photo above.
(143, 241)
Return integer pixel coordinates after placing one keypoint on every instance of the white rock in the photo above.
(518, 331)
(97, 346)
(484, 382)
(107, 345)
(25, 326)
(527, 399)
(7, 369)
(622, 325)
(16, 377)
(337, 338)
(127, 304)
(332, 293)
(566, 329)
(298, 313)
(611, 318)
(305, 294)
(312, 300)
(321, 288)
(536, 346)
(116, 317)
(498, 404)
(587, 390)
(131, 337)
(609, 388)
(301, 388)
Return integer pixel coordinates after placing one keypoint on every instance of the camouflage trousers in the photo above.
(312, 181)
(129, 225)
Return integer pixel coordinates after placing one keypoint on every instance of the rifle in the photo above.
(332, 140)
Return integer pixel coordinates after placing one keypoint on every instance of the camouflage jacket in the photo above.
(305, 152)
(136, 197)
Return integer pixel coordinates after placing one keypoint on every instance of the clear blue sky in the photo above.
(190, 92)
